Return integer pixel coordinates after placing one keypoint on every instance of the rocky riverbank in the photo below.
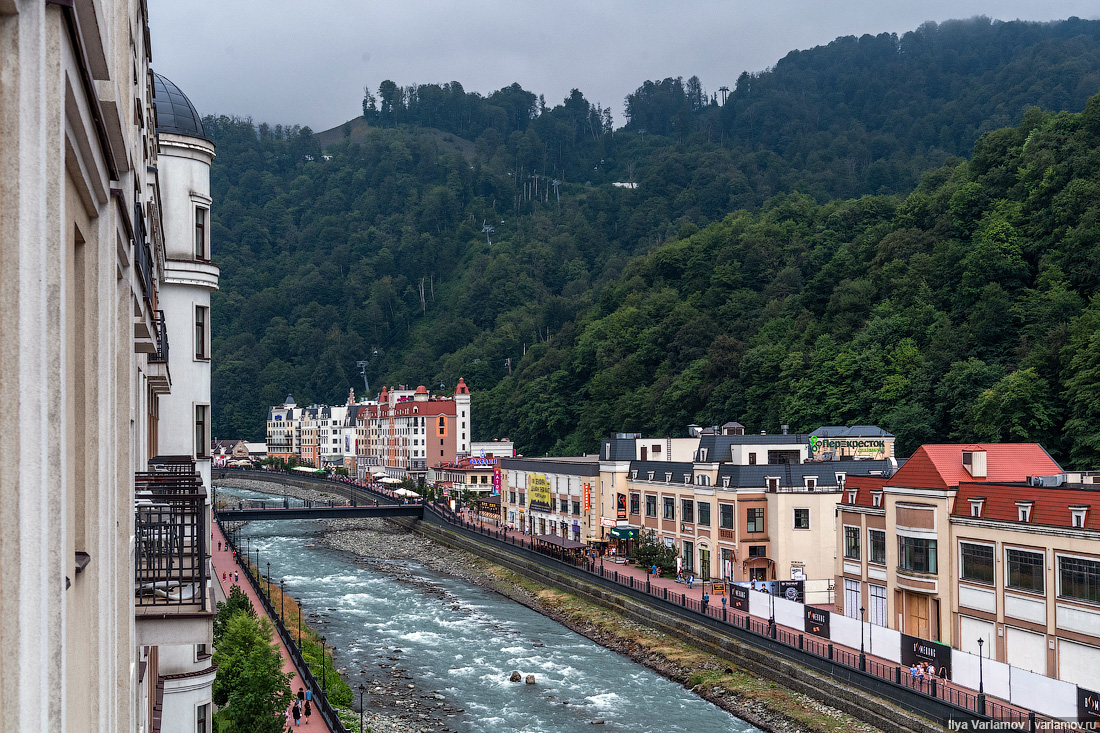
(397, 706)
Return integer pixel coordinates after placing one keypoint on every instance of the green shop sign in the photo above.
(817, 444)
(624, 533)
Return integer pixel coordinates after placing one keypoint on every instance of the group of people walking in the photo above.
(302, 705)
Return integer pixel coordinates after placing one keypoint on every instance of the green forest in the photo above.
(891, 230)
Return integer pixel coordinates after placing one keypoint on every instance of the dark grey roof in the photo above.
(175, 113)
(854, 431)
(795, 474)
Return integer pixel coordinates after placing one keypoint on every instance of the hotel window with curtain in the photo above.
(201, 216)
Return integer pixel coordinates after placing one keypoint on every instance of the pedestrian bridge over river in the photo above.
(255, 513)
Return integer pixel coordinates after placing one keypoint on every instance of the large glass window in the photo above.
(1025, 570)
(876, 546)
(635, 503)
(689, 557)
(754, 520)
(976, 562)
(851, 543)
(801, 518)
(687, 511)
(1079, 579)
(669, 508)
(917, 555)
(852, 598)
(703, 510)
(725, 516)
(650, 506)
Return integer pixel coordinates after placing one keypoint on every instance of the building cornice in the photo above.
(1043, 529)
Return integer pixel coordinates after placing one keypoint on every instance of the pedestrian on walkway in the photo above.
(223, 576)
(301, 695)
(308, 712)
(296, 712)
(309, 694)
(236, 576)
(219, 545)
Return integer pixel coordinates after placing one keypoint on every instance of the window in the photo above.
(703, 509)
(651, 475)
(635, 503)
(202, 332)
(670, 508)
(687, 511)
(725, 516)
(917, 555)
(511, 497)
(202, 714)
(877, 611)
(650, 505)
(851, 542)
(522, 497)
(689, 557)
(773, 484)
(576, 507)
(564, 503)
(801, 518)
(811, 484)
(202, 431)
(200, 233)
(1077, 515)
(976, 562)
(1023, 509)
(752, 459)
(758, 550)
(876, 499)
(754, 520)
(852, 599)
(1079, 579)
(1025, 570)
(876, 546)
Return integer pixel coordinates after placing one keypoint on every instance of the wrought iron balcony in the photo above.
(160, 338)
(171, 530)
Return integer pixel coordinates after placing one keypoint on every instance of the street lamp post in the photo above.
(862, 656)
(299, 629)
(281, 581)
(362, 689)
(771, 621)
(324, 685)
(981, 679)
(269, 581)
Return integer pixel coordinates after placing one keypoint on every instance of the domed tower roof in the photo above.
(175, 113)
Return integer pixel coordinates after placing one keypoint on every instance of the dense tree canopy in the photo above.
(750, 275)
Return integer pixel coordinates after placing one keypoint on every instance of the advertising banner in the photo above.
(620, 506)
(496, 481)
(1088, 709)
(739, 597)
(793, 590)
(817, 622)
(718, 587)
(588, 497)
(914, 651)
(538, 494)
(606, 522)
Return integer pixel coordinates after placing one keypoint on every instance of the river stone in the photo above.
(530, 679)
(514, 677)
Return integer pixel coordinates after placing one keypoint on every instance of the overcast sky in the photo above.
(307, 62)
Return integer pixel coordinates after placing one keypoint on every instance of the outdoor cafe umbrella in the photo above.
(405, 492)
(390, 480)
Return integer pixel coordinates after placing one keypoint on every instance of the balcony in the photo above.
(160, 378)
(171, 595)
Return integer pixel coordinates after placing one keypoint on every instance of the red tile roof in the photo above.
(941, 467)
(863, 485)
(1051, 505)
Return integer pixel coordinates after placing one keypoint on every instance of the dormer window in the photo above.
(876, 498)
(633, 475)
(851, 496)
(976, 504)
(974, 462)
(687, 478)
(668, 477)
(726, 481)
(773, 484)
(1077, 516)
(651, 475)
(840, 477)
(811, 483)
(703, 453)
(1024, 510)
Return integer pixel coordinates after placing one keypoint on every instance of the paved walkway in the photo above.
(223, 562)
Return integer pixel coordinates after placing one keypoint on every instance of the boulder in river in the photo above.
(530, 679)
(514, 677)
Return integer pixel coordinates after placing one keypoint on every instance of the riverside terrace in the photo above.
(878, 676)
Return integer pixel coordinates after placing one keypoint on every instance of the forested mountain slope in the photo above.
(617, 312)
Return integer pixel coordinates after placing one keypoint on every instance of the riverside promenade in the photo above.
(222, 561)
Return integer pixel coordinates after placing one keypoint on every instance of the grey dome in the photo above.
(175, 113)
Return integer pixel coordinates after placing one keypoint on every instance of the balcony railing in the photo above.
(160, 337)
(170, 531)
(142, 256)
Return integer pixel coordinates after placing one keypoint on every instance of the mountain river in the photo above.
(462, 642)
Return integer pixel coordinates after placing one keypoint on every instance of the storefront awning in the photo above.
(624, 533)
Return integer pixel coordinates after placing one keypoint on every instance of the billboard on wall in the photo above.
(739, 597)
(496, 481)
(915, 650)
(1088, 709)
(620, 506)
(817, 622)
(538, 493)
(587, 497)
(793, 590)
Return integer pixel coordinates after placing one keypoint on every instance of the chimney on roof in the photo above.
(973, 460)
(785, 428)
